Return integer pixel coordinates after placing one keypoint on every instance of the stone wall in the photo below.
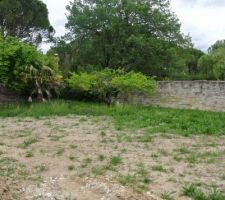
(8, 96)
(203, 95)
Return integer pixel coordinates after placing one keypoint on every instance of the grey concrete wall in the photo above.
(203, 95)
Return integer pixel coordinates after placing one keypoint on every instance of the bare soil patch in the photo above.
(9, 190)
(78, 157)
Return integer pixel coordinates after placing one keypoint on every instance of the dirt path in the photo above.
(86, 158)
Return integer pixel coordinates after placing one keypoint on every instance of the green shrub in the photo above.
(25, 69)
(105, 84)
(133, 82)
(80, 82)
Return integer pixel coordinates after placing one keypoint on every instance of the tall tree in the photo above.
(212, 65)
(25, 19)
(217, 45)
(133, 34)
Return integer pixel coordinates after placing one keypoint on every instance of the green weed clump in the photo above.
(28, 143)
(195, 193)
(139, 181)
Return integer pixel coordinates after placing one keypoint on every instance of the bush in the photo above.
(106, 84)
(27, 70)
(133, 82)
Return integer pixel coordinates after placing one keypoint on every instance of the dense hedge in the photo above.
(107, 84)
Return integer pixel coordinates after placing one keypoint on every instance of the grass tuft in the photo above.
(28, 143)
(195, 193)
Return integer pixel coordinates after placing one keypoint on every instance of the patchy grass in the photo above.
(158, 168)
(207, 157)
(28, 143)
(195, 193)
(223, 177)
(41, 168)
(73, 146)
(29, 154)
(114, 162)
(71, 167)
(167, 196)
(56, 137)
(60, 151)
(86, 162)
(72, 158)
(101, 157)
(183, 150)
(139, 181)
(136, 146)
(24, 133)
(155, 120)
(9, 167)
(98, 171)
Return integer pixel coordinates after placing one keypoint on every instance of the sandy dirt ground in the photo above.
(86, 158)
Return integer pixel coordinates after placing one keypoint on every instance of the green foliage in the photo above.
(205, 64)
(67, 57)
(28, 142)
(212, 65)
(195, 193)
(218, 56)
(25, 69)
(134, 35)
(133, 82)
(27, 20)
(80, 82)
(115, 161)
(106, 84)
(167, 196)
(218, 45)
(139, 181)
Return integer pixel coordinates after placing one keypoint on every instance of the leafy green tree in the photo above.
(218, 44)
(218, 56)
(67, 54)
(212, 65)
(192, 57)
(25, 19)
(27, 70)
(182, 63)
(205, 65)
(131, 34)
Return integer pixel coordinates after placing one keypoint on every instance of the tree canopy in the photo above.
(132, 34)
(217, 45)
(25, 19)
(212, 65)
